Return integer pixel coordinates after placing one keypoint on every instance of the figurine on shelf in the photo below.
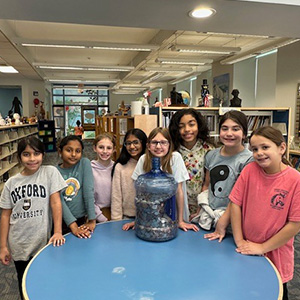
(16, 106)
(8, 121)
(42, 111)
(17, 119)
(235, 101)
(2, 121)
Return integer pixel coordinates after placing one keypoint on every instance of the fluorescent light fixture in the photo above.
(132, 88)
(286, 2)
(192, 77)
(194, 61)
(279, 45)
(125, 92)
(267, 53)
(203, 12)
(152, 78)
(166, 70)
(237, 35)
(232, 60)
(85, 68)
(52, 46)
(254, 52)
(8, 69)
(204, 49)
(83, 81)
(84, 44)
(75, 87)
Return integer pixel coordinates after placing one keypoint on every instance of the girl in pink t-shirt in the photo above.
(265, 211)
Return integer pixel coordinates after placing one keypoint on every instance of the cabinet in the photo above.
(47, 135)
(257, 117)
(119, 125)
(9, 137)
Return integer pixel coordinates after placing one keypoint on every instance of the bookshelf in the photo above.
(119, 125)
(9, 137)
(257, 117)
(46, 131)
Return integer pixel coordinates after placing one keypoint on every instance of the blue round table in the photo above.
(115, 264)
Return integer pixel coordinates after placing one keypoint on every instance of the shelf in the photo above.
(294, 152)
(7, 154)
(9, 167)
(17, 138)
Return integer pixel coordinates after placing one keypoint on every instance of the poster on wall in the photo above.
(221, 90)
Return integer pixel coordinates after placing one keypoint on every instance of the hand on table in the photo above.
(57, 239)
(250, 248)
(90, 225)
(128, 226)
(81, 232)
(187, 226)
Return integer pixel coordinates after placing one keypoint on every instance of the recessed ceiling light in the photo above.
(202, 12)
(8, 69)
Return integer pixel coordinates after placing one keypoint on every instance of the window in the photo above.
(68, 100)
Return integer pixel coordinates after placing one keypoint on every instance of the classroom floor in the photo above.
(8, 277)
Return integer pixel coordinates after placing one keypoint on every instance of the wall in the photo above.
(7, 95)
(217, 70)
(288, 77)
(28, 86)
(116, 99)
(244, 81)
(266, 81)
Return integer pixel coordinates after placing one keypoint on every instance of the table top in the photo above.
(115, 264)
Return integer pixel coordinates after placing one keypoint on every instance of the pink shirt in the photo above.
(268, 202)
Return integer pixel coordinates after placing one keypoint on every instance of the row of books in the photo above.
(255, 122)
(211, 120)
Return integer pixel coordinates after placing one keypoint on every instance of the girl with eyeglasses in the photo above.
(123, 191)
(160, 145)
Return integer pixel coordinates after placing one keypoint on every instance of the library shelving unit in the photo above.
(278, 117)
(47, 135)
(119, 125)
(9, 137)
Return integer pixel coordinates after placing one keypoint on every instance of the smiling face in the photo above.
(188, 129)
(31, 160)
(133, 146)
(104, 149)
(159, 146)
(71, 153)
(231, 135)
(267, 154)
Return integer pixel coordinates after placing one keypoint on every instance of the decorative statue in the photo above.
(16, 106)
(42, 111)
(176, 98)
(204, 94)
(235, 101)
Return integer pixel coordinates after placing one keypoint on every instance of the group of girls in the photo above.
(257, 192)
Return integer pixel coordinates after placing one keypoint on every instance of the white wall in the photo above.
(266, 81)
(288, 77)
(244, 81)
(116, 99)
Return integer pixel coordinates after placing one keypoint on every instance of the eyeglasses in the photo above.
(134, 143)
(162, 143)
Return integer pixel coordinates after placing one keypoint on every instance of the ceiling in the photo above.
(244, 28)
